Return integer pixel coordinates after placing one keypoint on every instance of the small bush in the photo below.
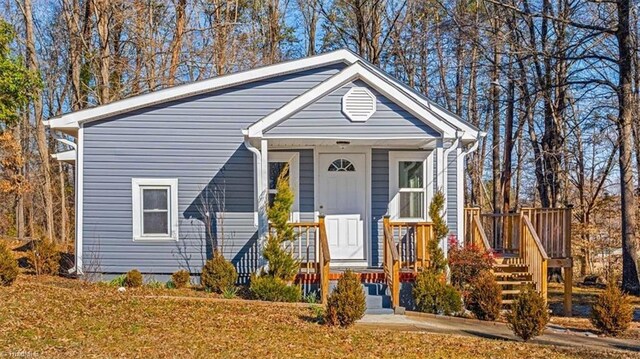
(133, 279)
(181, 279)
(612, 311)
(282, 265)
(118, 281)
(44, 257)
(273, 289)
(218, 274)
(230, 293)
(485, 297)
(528, 315)
(347, 303)
(466, 263)
(433, 295)
(8, 266)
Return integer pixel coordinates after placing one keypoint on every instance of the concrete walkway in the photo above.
(554, 334)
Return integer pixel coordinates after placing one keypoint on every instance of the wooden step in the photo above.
(514, 282)
(512, 274)
(511, 291)
(510, 265)
(507, 301)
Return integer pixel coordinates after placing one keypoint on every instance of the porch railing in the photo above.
(405, 249)
(311, 249)
(502, 230)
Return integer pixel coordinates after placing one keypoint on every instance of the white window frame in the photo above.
(293, 158)
(395, 157)
(137, 185)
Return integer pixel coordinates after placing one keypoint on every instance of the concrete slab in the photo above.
(554, 334)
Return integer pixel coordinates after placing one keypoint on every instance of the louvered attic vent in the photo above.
(358, 104)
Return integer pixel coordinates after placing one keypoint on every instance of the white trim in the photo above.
(293, 158)
(427, 167)
(137, 185)
(79, 198)
(72, 120)
(353, 72)
(66, 156)
(461, 192)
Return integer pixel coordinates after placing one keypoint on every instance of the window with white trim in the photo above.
(277, 163)
(410, 185)
(155, 208)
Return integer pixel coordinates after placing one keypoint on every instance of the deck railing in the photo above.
(311, 249)
(553, 226)
(503, 231)
(534, 255)
(474, 231)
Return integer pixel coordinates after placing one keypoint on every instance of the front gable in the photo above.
(326, 117)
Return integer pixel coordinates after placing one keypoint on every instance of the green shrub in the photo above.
(433, 295)
(528, 315)
(347, 302)
(218, 274)
(485, 297)
(437, 261)
(273, 289)
(281, 262)
(466, 263)
(282, 265)
(181, 279)
(230, 293)
(118, 281)
(133, 279)
(612, 311)
(8, 266)
(44, 257)
(153, 283)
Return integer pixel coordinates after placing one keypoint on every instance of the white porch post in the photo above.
(263, 197)
(440, 175)
(461, 193)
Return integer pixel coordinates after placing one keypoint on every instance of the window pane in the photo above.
(341, 165)
(272, 197)
(411, 174)
(275, 169)
(412, 204)
(154, 199)
(155, 223)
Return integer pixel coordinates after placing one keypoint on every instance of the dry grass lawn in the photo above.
(55, 317)
(583, 299)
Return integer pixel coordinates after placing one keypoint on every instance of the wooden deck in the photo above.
(525, 244)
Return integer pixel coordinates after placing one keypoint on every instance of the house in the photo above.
(164, 177)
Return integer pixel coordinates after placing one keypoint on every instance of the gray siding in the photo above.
(325, 118)
(197, 140)
(379, 202)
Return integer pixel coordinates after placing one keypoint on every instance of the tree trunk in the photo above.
(630, 279)
(41, 137)
(176, 43)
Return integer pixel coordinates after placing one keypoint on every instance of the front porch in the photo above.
(525, 245)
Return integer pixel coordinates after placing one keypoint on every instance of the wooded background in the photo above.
(555, 84)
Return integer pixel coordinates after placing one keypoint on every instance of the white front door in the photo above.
(342, 198)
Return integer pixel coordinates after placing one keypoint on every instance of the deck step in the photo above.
(511, 291)
(514, 282)
(512, 274)
(507, 301)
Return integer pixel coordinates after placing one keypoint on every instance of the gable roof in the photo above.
(358, 68)
(356, 71)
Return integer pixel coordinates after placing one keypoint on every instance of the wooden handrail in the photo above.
(391, 262)
(324, 260)
(480, 237)
(534, 255)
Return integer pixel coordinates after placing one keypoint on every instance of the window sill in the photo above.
(154, 239)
